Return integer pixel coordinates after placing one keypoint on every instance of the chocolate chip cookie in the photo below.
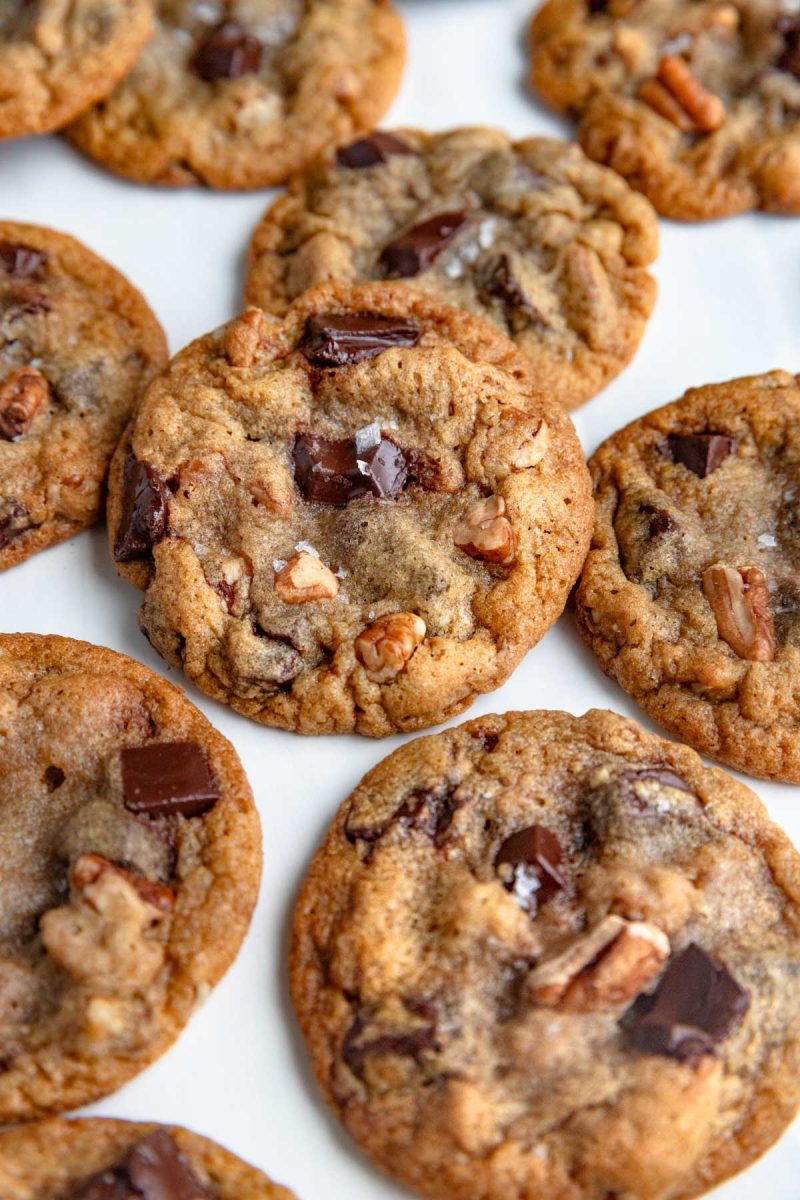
(356, 518)
(241, 93)
(689, 596)
(131, 858)
(57, 59)
(546, 955)
(119, 1160)
(77, 346)
(549, 246)
(695, 102)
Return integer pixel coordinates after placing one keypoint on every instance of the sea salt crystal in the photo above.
(341, 573)
(367, 437)
(306, 548)
(454, 269)
(278, 564)
(486, 233)
(767, 541)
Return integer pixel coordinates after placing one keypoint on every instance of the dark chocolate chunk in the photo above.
(167, 779)
(532, 863)
(378, 147)
(333, 340)
(227, 52)
(499, 282)
(22, 262)
(659, 521)
(430, 810)
(659, 774)
(14, 523)
(696, 1005)
(112, 1184)
(336, 472)
(153, 1169)
(788, 26)
(419, 247)
(701, 453)
(145, 510)
(366, 1039)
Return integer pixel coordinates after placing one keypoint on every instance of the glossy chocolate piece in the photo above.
(14, 523)
(340, 340)
(788, 26)
(153, 1169)
(659, 521)
(165, 779)
(336, 472)
(377, 147)
(145, 511)
(419, 247)
(227, 52)
(363, 1040)
(22, 262)
(534, 866)
(701, 453)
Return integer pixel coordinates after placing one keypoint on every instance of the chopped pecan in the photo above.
(23, 395)
(243, 337)
(516, 443)
(305, 578)
(386, 645)
(486, 532)
(680, 97)
(740, 603)
(606, 967)
(89, 867)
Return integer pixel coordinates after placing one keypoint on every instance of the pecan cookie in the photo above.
(57, 59)
(131, 859)
(119, 1160)
(77, 346)
(353, 519)
(241, 93)
(531, 234)
(555, 956)
(689, 596)
(695, 102)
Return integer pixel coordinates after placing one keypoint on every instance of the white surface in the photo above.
(729, 304)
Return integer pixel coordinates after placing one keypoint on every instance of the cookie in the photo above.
(58, 59)
(78, 344)
(241, 93)
(695, 102)
(532, 235)
(121, 1160)
(689, 596)
(131, 858)
(355, 519)
(546, 955)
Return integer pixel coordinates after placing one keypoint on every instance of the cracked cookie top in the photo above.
(120, 1160)
(131, 858)
(57, 59)
(532, 235)
(78, 344)
(689, 596)
(353, 519)
(241, 93)
(696, 102)
(541, 955)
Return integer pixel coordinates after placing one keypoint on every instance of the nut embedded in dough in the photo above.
(740, 603)
(305, 578)
(486, 532)
(386, 645)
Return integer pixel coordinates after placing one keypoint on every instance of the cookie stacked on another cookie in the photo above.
(131, 859)
(532, 235)
(696, 102)
(541, 955)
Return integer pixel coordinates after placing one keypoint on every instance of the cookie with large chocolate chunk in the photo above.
(242, 93)
(78, 344)
(131, 859)
(357, 518)
(689, 596)
(532, 235)
(57, 59)
(695, 102)
(546, 955)
(99, 1159)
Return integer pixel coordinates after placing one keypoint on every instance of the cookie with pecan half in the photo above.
(689, 596)
(131, 859)
(695, 102)
(531, 234)
(354, 519)
(78, 344)
(546, 955)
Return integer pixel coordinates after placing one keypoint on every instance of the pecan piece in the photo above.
(243, 338)
(89, 867)
(385, 646)
(680, 97)
(23, 395)
(305, 578)
(608, 966)
(740, 603)
(486, 532)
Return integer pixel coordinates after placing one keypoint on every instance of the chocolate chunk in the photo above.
(14, 523)
(789, 59)
(333, 340)
(167, 779)
(419, 247)
(22, 262)
(531, 864)
(430, 810)
(378, 147)
(701, 453)
(499, 282)
(227, 52)
(153, 1169)
(696, 1005)
(145, 510)
(365, 1039)
(107, 1185)
(336, 472)
(659, 521)
(659, 774)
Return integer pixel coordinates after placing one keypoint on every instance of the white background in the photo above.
(729, 304)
